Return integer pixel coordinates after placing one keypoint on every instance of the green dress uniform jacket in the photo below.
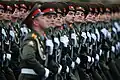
(32, 55)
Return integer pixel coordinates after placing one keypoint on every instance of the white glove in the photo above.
(59, 69)
(89, 58)
(93, 59)
(117, 46)
(84, 35)
(64, 40)
(78, 60)
(73, 36)
(67, 70)
(109, 35)
(25, 30)
(97, 57)
(3, 32)
(100, 52)
(56, 40)
(98, 35)
(113, 49)
(8, 56)
(50, 44)
(105, 32)
(117, 26)
(73, 65)
(114, 30)
(93, 36)
(88, 34)
(47, 72)
(12, 34)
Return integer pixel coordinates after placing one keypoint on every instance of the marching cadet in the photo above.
(14, 63)
(68, 39)
(2, 36)
(7, 45)
(111, 63)
(25, 8)
(115, 24)
(50, 16)
(79, 25)
(32, 48)
(91, 42)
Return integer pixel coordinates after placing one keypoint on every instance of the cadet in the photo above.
(10, 36)
(14, 63)
(2, 38)
(68, 57)
(50, 16)
(32, 55)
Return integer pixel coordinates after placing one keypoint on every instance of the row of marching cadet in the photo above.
(59, 41)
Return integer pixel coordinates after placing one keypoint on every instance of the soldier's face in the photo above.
(79, 16)
(101, 17)
(97, 18)
(90, 17)
(69, 18)
(16, 13)
(59, 20)
(22, 12)
(40, 22)
(1, 14)
(7, 15)
(107, 16)
(50, 19)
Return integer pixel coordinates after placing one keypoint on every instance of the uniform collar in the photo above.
(41, 37)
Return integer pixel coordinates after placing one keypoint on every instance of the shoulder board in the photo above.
(34, 36)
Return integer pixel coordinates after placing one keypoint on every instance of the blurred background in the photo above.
(103, 1)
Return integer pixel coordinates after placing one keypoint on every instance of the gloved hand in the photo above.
(50, 44)
(109, 35)
(8, 56)
(105, 32)
(73, 36)
(97, 57)
(56, 40)
(88, 34)
(89, 59)
(73, 65)
(100, 52)
(59, 69)
(12, 34)
(98, 34)
(47, 72)
(83, 34)
(93, 36)
(67, 69)
(78, 60)
(64, 40)
(113, 49)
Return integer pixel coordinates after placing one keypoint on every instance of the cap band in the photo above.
(23, 6)
(37, 13)
(71, 8)
(80, 9)
(49, 10)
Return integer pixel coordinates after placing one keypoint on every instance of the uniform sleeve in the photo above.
(28, 55)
